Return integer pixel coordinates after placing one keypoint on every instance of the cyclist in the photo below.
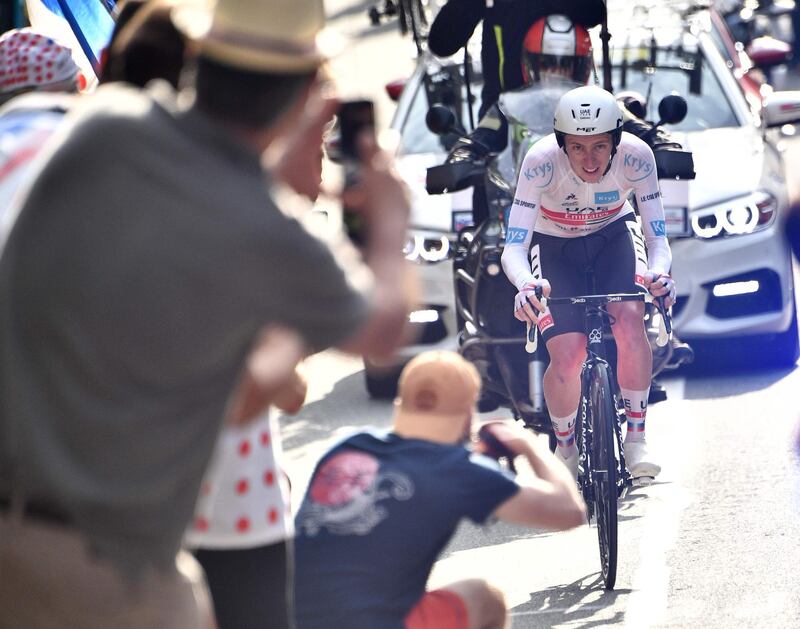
(570, 213)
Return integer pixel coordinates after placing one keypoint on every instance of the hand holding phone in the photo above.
(355, 117)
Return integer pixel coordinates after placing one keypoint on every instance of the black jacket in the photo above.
(504, 28)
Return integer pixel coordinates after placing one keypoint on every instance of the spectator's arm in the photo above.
(270, 376)
(382, 198)
(552, 499)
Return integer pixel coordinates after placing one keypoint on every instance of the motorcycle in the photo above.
(489, 335)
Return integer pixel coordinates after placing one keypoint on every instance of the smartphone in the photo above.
(355, 117)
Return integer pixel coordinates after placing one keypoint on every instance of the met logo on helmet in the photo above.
(585, 129)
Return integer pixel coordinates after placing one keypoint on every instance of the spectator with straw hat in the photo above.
(141, 266)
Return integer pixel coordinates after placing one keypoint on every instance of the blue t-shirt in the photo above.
(378, 512)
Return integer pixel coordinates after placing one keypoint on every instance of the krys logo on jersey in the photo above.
(636, 168)
(604, 198)
(515, 235)
(540, 175)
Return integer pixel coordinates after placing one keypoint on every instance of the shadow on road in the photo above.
(573, 604)
(705, 382)
(335, 412)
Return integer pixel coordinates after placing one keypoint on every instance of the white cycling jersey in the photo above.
(551, 199)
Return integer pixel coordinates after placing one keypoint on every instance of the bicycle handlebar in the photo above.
(600, 300)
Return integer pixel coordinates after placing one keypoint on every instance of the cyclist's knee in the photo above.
(565, 367)
(627, 313)
(628, 324)
(567, 353)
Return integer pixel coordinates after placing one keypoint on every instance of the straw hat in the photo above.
(280, 36)
(437, 392)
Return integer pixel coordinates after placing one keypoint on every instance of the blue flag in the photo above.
(83, 25)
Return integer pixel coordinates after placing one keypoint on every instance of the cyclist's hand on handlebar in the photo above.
(660, 285)
(527, 305)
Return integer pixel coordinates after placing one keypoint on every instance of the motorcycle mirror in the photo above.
(440, 119)
(672, 109)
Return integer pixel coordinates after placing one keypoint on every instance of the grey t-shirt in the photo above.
(144, 259)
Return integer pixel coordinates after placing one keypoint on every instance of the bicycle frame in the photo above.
(595, 319)
(602, 473)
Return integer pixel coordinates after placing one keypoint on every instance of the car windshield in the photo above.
(650, 72)
(655, 72)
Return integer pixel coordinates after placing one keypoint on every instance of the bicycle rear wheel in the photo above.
(604, 470)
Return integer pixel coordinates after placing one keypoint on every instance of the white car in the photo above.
(731, 263)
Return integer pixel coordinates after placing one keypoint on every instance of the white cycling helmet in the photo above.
(587, 110)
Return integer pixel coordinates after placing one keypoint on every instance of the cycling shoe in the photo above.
(638, 460)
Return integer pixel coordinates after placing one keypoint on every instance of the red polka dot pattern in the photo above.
(243, 497)
(22, 52)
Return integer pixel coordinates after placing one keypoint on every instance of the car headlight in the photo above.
(743, 215)
(419, 248)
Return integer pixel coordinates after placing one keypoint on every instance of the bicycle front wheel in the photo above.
(604, 470)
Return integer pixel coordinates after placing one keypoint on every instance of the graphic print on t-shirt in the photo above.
(346, 492)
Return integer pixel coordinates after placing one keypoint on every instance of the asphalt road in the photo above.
(714, 543)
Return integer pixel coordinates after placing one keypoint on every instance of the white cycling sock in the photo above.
(635, 411)
(564, 428)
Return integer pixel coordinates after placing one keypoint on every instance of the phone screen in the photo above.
(354, 117)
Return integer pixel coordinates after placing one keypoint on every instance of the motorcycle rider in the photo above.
(555, 51)
(505, 25)
(571, 212)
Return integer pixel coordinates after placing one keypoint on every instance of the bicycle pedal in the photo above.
(642, 481)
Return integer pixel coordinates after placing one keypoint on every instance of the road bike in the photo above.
(603, 476)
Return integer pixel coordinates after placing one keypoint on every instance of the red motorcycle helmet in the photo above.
(556, 49)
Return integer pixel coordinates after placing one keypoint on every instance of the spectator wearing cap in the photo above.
(146, 258)
(30, 61)
(381, 507)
